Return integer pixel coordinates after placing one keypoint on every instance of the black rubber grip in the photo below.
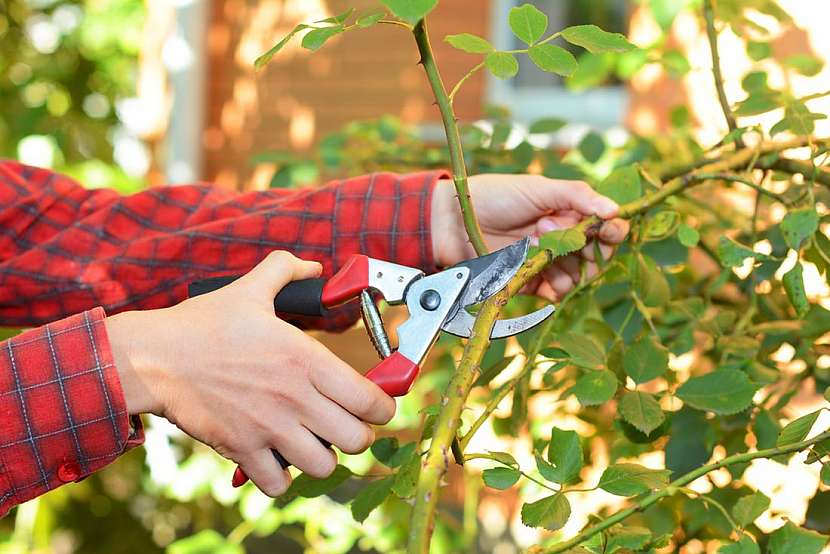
(303, 297)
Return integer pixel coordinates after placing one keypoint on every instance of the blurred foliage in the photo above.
(63, 66)
(688, 284)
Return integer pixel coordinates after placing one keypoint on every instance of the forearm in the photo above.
(140, 251)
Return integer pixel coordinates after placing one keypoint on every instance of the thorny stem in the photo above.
(743, 181)
(676, 486)
(437, 460)
(712, 35)
(459, 167)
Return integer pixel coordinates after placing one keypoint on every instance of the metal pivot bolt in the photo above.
(430, 300)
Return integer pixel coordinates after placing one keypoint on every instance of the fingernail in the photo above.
(605, 207)
(548, 225)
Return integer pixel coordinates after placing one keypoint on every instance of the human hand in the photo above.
(228, 372)
(510, 207)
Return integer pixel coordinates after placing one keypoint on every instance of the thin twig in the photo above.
(712, 35)
(676, 486)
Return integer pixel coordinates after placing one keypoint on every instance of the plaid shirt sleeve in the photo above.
(69, 250)
(62, 412)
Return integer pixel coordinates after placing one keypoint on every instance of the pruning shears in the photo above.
(436, 303)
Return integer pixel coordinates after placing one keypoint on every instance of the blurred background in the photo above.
(134, 93)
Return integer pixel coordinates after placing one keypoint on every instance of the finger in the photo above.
(305, 452)
(591, 269)
(263, 469)
(605, 251)
(614, 231)
(556, 223)
(579, 196)
(559, 281)
(570, 265)
(277, 270)
(331, 422)
(338, 381)
(546, 291)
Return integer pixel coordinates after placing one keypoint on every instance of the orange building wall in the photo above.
(300, 96)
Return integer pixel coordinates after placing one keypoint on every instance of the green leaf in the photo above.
(723, 391)
(266, 57)
(632, 479)
(410, 11)
(766, 430)
(799, 225)
(370, 497)
(646, 359)
(793, 281)
(591, 147)
(749, 508)
(406, 479)
(206, 541)
(550, 125)
(628, 539)
(642, 410)
(827, 394)
(471, 44)
(733, 254)
(664, 11)
(504, 458)
(797, 430)
(501, 477)
(551, 512)
(502, 64)
(527, 23)
(623, 185)
(825, 474)
(402, 455)
(583, 350)
(593, 70)
(309, 487)
(688, 236)
(337, 19)
(744, 546)
(565, 452)
(369, 20)
(316, 38)
(553, 59)
(791, 539)
(758, 51)
(595, 387)
(805, 64)
(563, 242)
(759, 102)
(595, 40)
(383, 449)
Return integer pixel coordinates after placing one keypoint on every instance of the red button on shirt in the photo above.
(68, 472)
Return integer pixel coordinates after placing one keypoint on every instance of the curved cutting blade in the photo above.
(462, 324)
(489, 274)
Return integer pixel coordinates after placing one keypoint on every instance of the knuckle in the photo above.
(361, 439)
(275, 487)
(322, 466)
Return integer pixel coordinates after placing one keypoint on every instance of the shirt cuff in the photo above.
(62, 411)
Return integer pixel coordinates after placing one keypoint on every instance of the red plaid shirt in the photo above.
(68, 250)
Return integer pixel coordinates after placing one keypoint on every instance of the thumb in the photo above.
(277, 270)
